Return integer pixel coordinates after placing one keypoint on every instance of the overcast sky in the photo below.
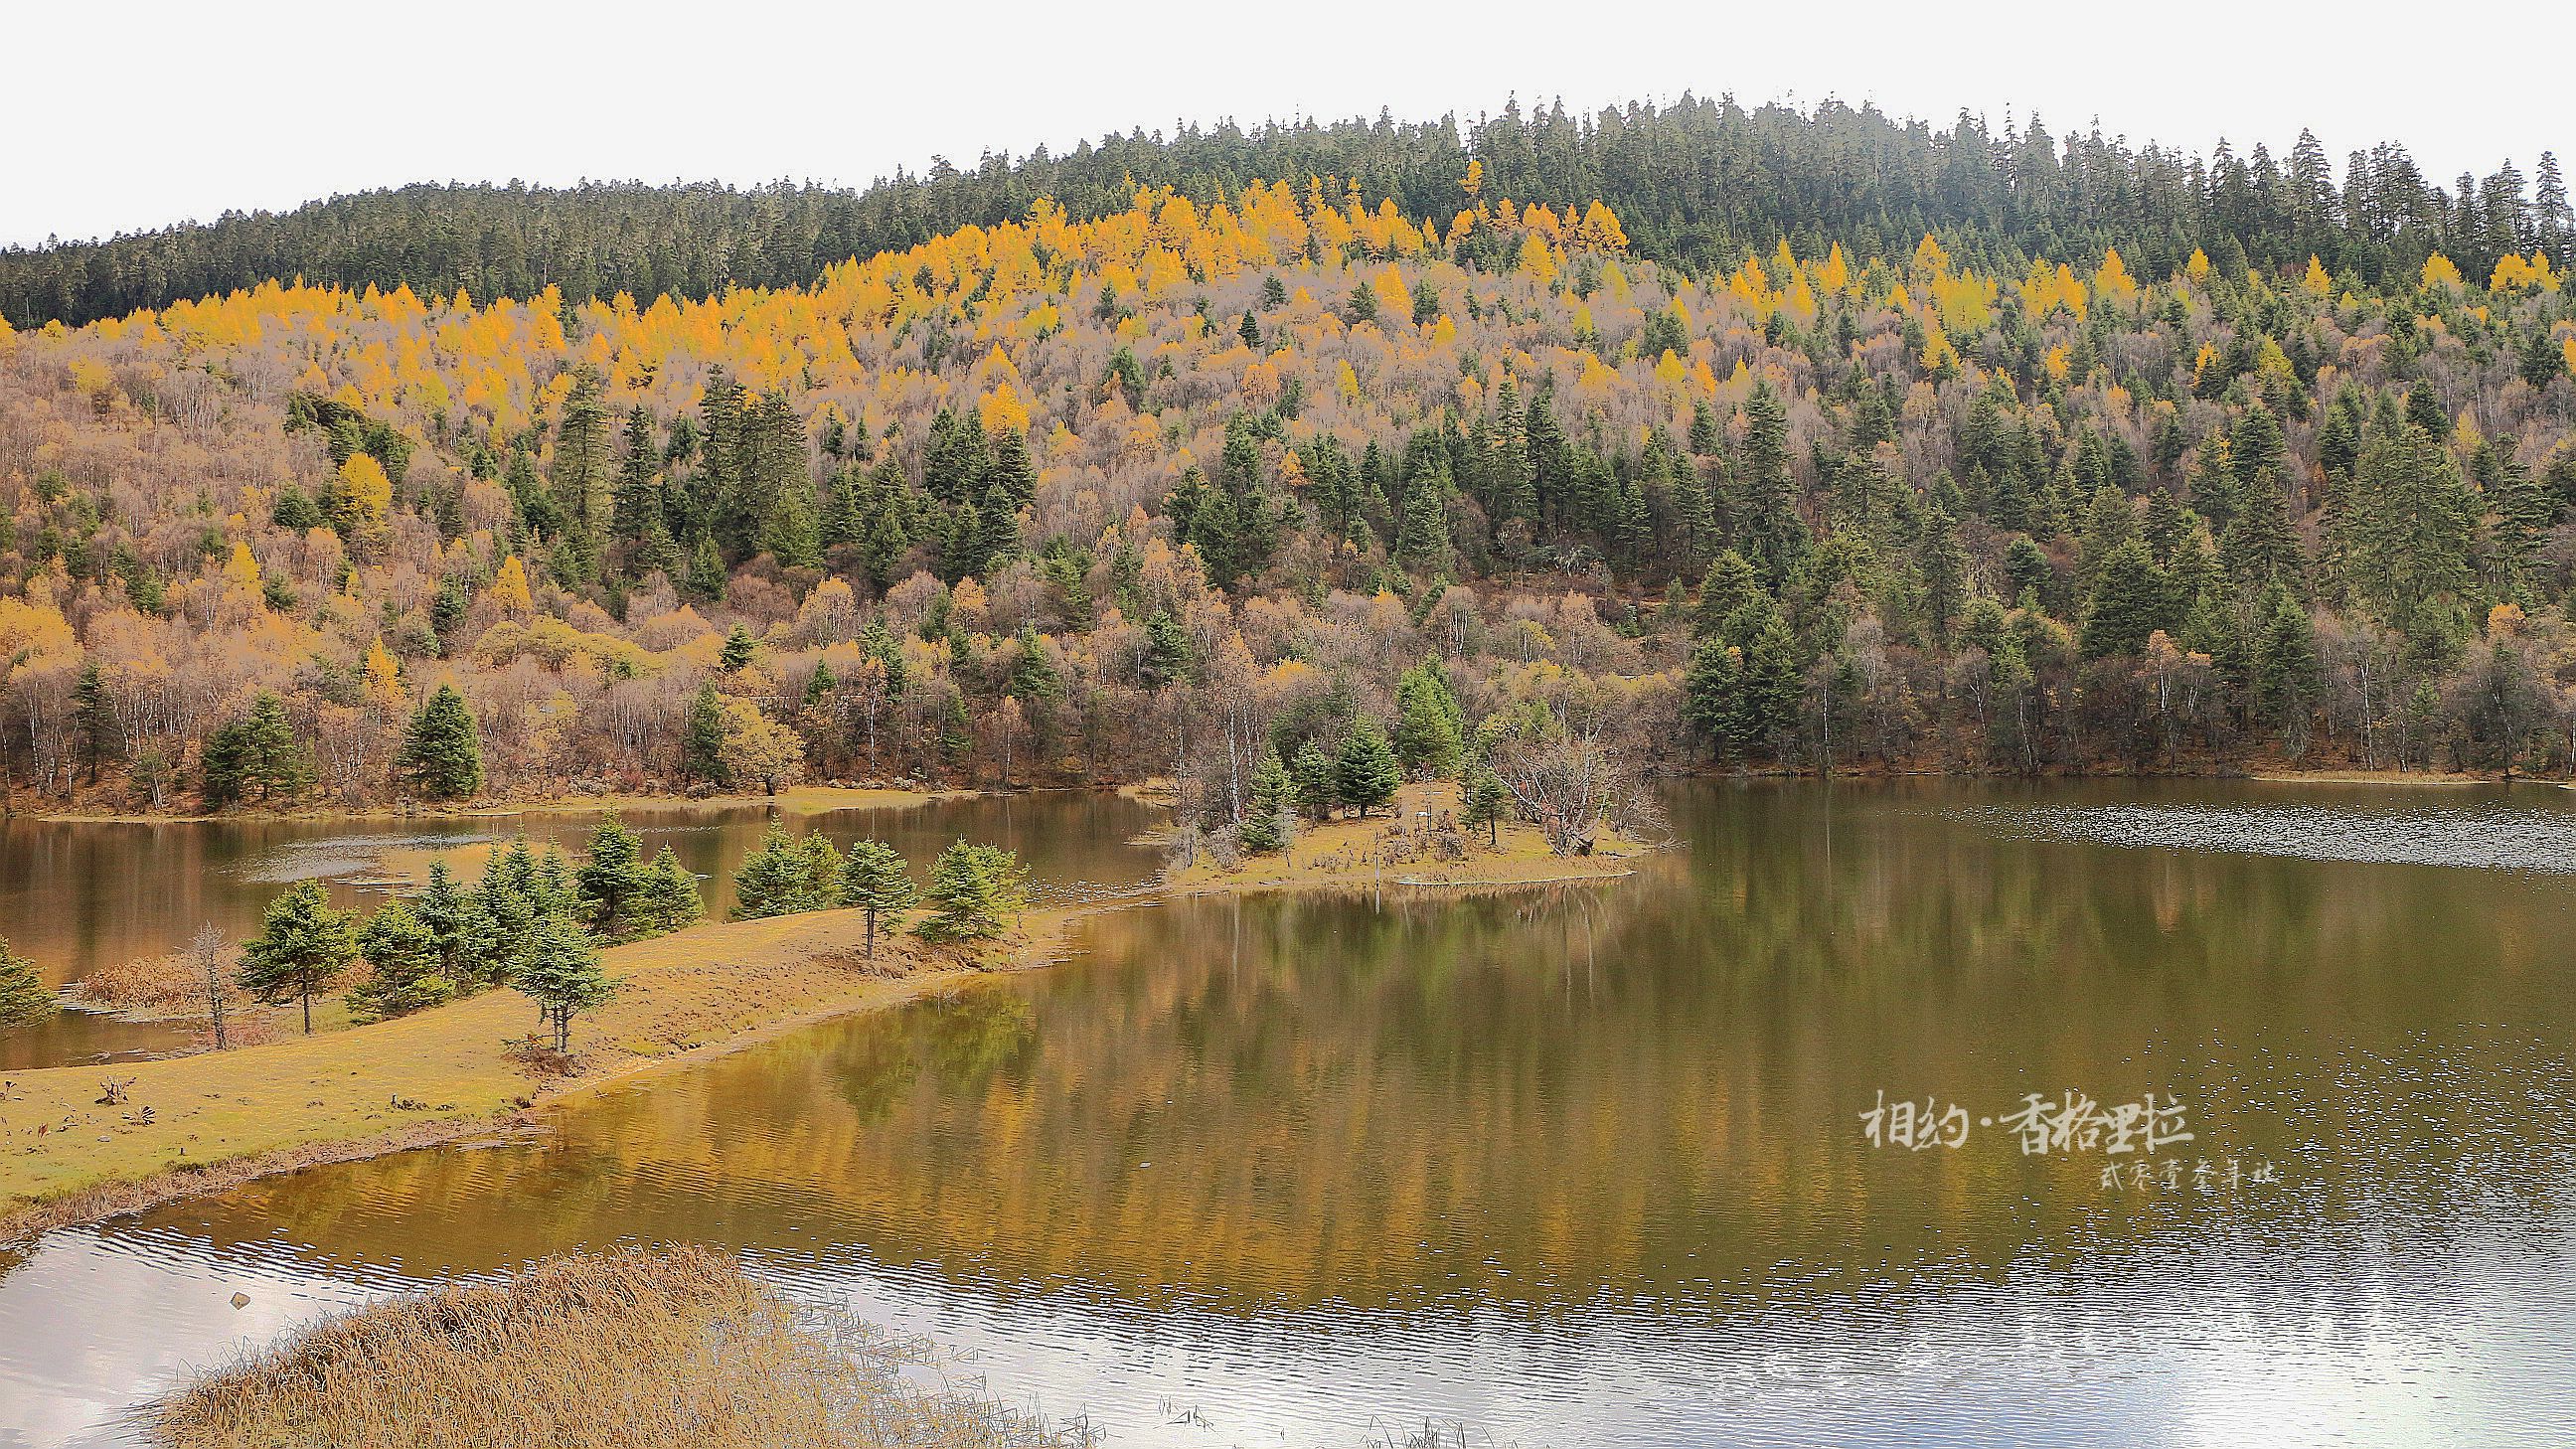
(154, 112)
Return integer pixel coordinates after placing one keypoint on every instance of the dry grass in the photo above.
(673, 1348)
(1397, 850)
(796, 800)
(151, 987)
(188, 1123)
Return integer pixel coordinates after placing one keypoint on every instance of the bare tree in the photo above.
(1566, 772)
(206, 951)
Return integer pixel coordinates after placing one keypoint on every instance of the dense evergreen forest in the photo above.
(1698, 184)
(1266, 484)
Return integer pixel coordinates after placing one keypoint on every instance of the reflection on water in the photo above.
(78, 895)
(1586, 1166)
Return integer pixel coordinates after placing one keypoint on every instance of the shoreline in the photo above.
(817, 799)
(707, 991)
(795, 800)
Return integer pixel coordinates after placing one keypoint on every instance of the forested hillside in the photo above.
(1221, 488)
(1699, 184)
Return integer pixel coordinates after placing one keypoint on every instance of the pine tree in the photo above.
(635, 513)
(584, 479)
(442, 753)
(506, 905)
(302, 949)
(1265, 823)
(257, 752)
(1944, 565)
(1712, 703)
(1773, 533)
(561, 971)
(24, 996)
(462, 935)
(1486, 800)
(1768, 700)
(787, 875)
(666, 899)
(2131, 601)
(1428, 732)
(2259, 548)
(1365, 773)
(975, 891)
(1727, 600)
(406, 969)
(2406, 531)
(706, 568)
(99, 734)
(875, 879)
(611, 880)
(1167, 651)
(997, 536)
(2287, 678)
(1313, 776)
(702, 738)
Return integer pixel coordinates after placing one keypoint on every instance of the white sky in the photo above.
(149, 112)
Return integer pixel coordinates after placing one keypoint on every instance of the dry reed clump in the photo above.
(150, 986)
(670, 1348)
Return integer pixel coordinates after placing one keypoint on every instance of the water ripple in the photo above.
(2480, 838)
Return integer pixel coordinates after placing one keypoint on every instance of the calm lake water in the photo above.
(1589, 1166)
(77, 896)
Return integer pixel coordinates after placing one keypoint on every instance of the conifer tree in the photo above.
(1428, 732)
(787, 875)
(1486, 800)
(2287, 678)
(702, 738)
(2130, 602)
(442, 753)
(1768, 699)
(611, 880)
(635, 512)
(506, 903)
(666, 898)
(24, 996)
(706, 568)
(98, 730)
(561, 971)
(1712, 703)
(406, 970)
(256, 752)
(975, 891)
(302, 949)
(1313, 776)
(875, 879)
(584, 478)
(460, 932)
(1365, 773)
(1265, 822)
(1773, 533)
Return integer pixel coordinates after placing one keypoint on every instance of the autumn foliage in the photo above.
(1197, 481)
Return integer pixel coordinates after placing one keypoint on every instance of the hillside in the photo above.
(1060, 500)
(1699, 183)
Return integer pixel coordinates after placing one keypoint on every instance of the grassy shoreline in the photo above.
(188, 1125)
(677, 1346)
(796, 800)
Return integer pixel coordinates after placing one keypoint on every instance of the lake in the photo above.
(1618, 1164)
